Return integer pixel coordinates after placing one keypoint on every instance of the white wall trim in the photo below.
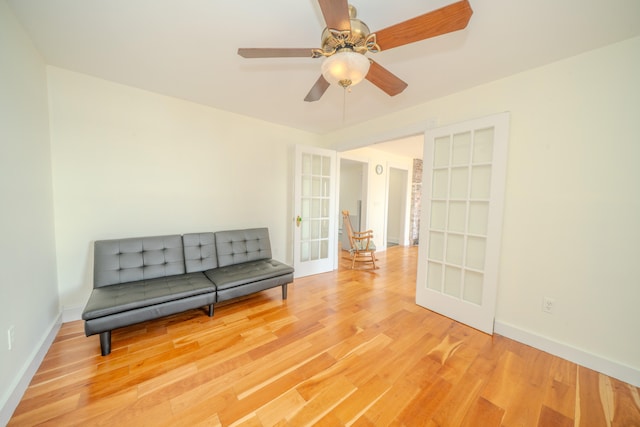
(581, 357)
(28, 370)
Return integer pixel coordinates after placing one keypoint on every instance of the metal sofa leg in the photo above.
(105, 342)
(210, 310)
(284, 291)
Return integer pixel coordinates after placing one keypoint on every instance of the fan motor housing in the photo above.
(356, 38)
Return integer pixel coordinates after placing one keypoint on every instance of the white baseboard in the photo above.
(27, 372)
(581, 357)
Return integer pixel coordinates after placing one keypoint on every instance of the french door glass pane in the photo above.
(440, 184)
(434, 276)
(478, 218)
(325, 187)
(326, 166)
(317, 187)
(481, 182)
(324, 249)
(459, 183)
(436, 247)
(324, 229)
(438, 215)
(441, 152)
(452, 281)
(483, 145)
(307, 160)
(473, 287)
(305, 208)
(325, 208)
(461, 149)
(306, 186)
(457, 216)
(316, 165)
(315, 229)
(455, 249)
(315, 249)
(315, 208)
(475, 253)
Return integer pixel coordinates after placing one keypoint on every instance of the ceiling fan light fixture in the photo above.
(345, 67)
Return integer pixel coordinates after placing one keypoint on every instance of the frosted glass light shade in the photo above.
(345, 68)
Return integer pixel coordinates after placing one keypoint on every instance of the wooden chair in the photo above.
(362, 248)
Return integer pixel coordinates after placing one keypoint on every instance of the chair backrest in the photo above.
(347, 227)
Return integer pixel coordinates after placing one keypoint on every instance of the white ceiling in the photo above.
(187, 49)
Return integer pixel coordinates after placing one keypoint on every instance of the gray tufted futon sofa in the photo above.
(143, 278)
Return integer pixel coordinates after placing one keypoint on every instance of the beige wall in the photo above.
(571, 225)
(28, 291)
(132, 163)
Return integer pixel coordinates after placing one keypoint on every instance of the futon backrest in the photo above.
(138, 258)
(238, 246)
(199, 252)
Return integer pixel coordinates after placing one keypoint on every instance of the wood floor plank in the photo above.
(460, 399)
(346, 348)
(277, 410)
(483, 413)
(327, 395)
(424, 405)
(355, 405)
(561, 392)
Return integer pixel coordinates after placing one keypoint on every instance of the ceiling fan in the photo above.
(346, 39)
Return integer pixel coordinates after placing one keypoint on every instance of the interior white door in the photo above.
(463, 185)
(315, 241)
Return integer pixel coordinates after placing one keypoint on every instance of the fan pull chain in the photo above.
(344, 104)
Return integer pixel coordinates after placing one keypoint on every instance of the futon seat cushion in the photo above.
(247, 272)
(113, 299)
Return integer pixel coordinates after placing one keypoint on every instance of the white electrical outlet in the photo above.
(10, 337)
(548, 305)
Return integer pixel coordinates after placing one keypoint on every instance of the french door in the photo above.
(315, 242)
(464, 174)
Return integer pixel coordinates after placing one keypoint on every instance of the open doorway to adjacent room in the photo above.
(380, 186)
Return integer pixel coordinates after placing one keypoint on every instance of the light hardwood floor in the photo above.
(346, 348)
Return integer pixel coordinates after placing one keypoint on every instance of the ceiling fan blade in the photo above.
(275, 52)
(318, 89)
(385, 80)
(440, 21)
(336, 14)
